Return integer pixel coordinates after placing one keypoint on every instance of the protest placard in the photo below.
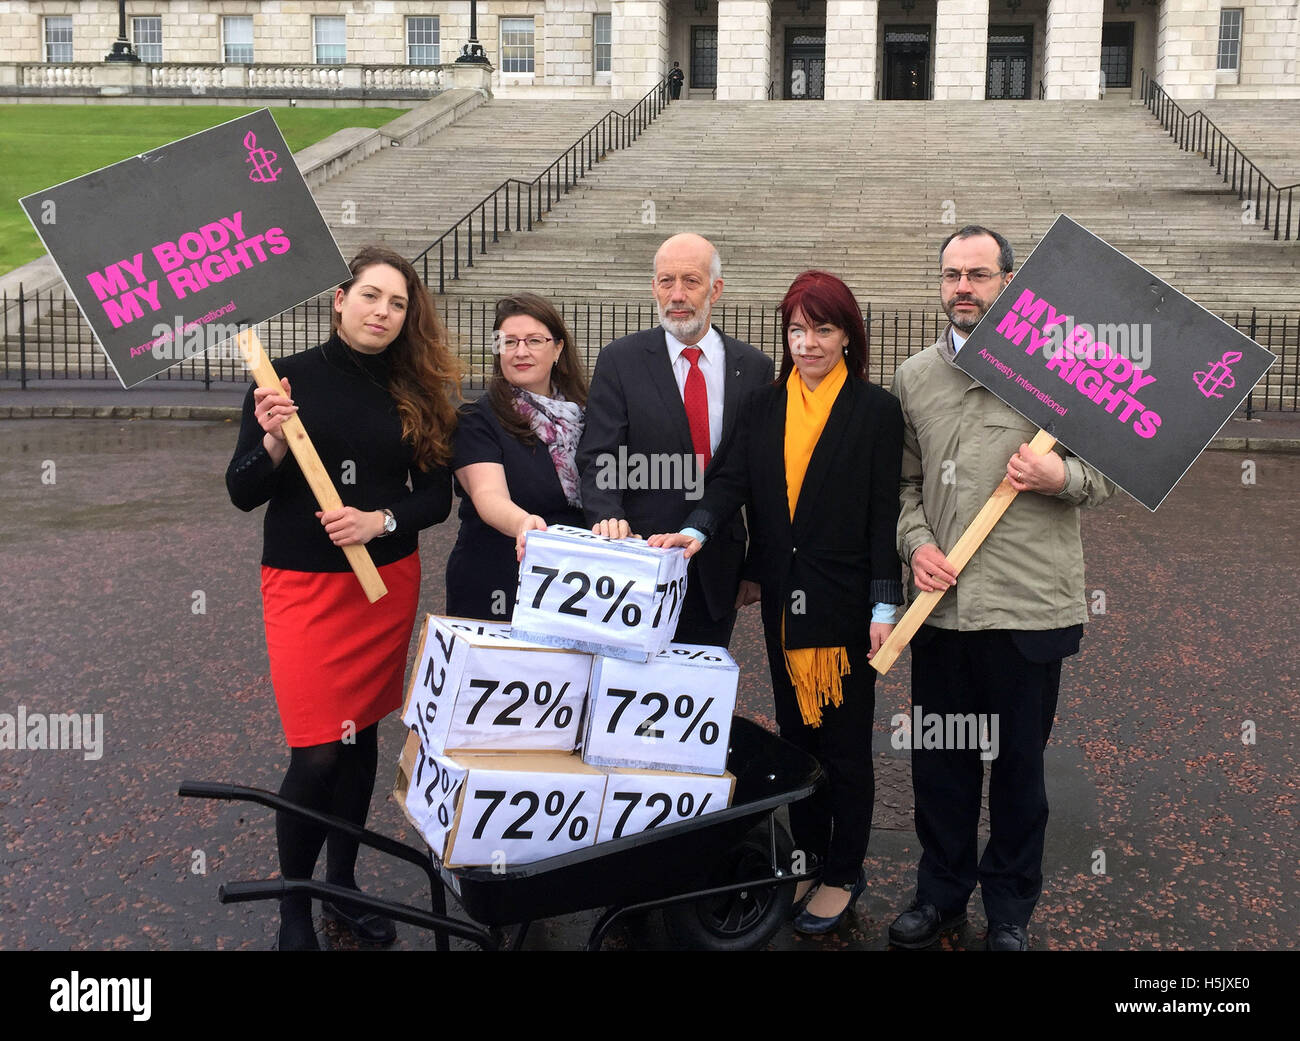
(1125, 371)
(176, 250)
(213, 230)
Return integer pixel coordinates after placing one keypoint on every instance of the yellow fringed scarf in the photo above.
(814, 671)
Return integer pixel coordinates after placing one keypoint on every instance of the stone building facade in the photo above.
(729, 49)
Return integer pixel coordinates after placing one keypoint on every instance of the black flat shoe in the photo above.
(921, 924)
(367, 927)
(813, 925)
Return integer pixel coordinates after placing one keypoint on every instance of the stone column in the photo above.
(639, 46)
(961, 50)
(851, 50)
(1072, 53)
(744, 49)
(1187, 48)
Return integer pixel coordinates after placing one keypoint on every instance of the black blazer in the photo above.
(826, 569)
(634, 402)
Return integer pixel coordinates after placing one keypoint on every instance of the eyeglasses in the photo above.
(511, 343)
(950, 276)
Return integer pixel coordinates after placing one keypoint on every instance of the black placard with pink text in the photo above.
(1117, 365)
(172, 251)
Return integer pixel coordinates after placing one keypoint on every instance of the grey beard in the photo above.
(687, 330)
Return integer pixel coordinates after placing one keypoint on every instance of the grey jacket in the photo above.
(957, 438)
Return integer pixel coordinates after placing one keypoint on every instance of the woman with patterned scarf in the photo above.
(513, 458)
(817, 465)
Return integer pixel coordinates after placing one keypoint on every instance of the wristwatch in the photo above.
(390, 523)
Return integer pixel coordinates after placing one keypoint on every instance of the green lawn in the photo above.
(43, 145)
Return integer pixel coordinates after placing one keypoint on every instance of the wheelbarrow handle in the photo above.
(400, 850)
(275, 889)
(210, 790)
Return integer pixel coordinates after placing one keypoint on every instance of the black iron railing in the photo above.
(1196, 132)
(454, 248)
(45, 339)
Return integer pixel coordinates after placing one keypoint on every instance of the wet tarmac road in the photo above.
(130, 587)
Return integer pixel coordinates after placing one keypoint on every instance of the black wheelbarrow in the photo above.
(724, 881)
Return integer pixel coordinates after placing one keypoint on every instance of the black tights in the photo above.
(336, 778)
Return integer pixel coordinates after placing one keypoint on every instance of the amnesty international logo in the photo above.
(263, 172)
(1218, 375)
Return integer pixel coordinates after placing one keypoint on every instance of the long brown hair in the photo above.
(423, 374)
(567, 376)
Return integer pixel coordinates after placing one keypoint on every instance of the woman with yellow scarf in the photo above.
(817, 465)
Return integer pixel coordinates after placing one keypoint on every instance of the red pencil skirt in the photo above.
(337, 661)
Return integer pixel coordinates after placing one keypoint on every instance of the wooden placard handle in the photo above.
(250, 346)
(959, 556)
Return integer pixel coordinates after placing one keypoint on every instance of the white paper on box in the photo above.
(474, 686)
(619, 597)
(670, 713)
(638, 800)
(514, 810)
(428, 787)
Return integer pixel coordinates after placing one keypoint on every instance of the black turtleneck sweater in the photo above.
(344, 404)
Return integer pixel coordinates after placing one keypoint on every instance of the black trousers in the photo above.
(834, 823)
(696, 624)
(983, 672)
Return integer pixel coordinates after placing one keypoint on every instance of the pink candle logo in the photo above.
(1218, 375)
(263, 172)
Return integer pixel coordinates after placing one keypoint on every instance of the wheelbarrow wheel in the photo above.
(743, 920)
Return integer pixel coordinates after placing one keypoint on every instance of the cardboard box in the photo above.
(476, 687)
(670, 713)
(638, 800)
(617, 597)
(499, 810)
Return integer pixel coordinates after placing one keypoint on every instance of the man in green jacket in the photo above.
(993, 646)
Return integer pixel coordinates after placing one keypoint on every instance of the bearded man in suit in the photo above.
(661, 415)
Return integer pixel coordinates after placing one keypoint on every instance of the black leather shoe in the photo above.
(920, 925)
(366, 926)
(1003, 936)
(807, 922)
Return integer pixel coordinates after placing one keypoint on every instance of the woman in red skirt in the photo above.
(376, 401)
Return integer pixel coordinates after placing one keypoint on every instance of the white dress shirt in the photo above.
(713, 364)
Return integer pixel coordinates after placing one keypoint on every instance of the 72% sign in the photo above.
(670, 713)
(525, 815)
(577, 584)
(683, 709)
(581, 590)
(493, 703)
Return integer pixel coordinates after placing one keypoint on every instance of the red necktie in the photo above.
(696, 400)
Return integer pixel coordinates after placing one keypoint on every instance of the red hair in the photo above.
(824, 298)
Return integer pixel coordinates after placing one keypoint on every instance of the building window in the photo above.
(516, 45)
(704, 57)
(146, 34)
(1230, 38)
(237, 38)
(604, 46)
(422, 41)
(58, 38)
(1117, 54)
(331, 37)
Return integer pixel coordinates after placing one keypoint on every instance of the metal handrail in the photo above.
(1196, 132)
(613, 131)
